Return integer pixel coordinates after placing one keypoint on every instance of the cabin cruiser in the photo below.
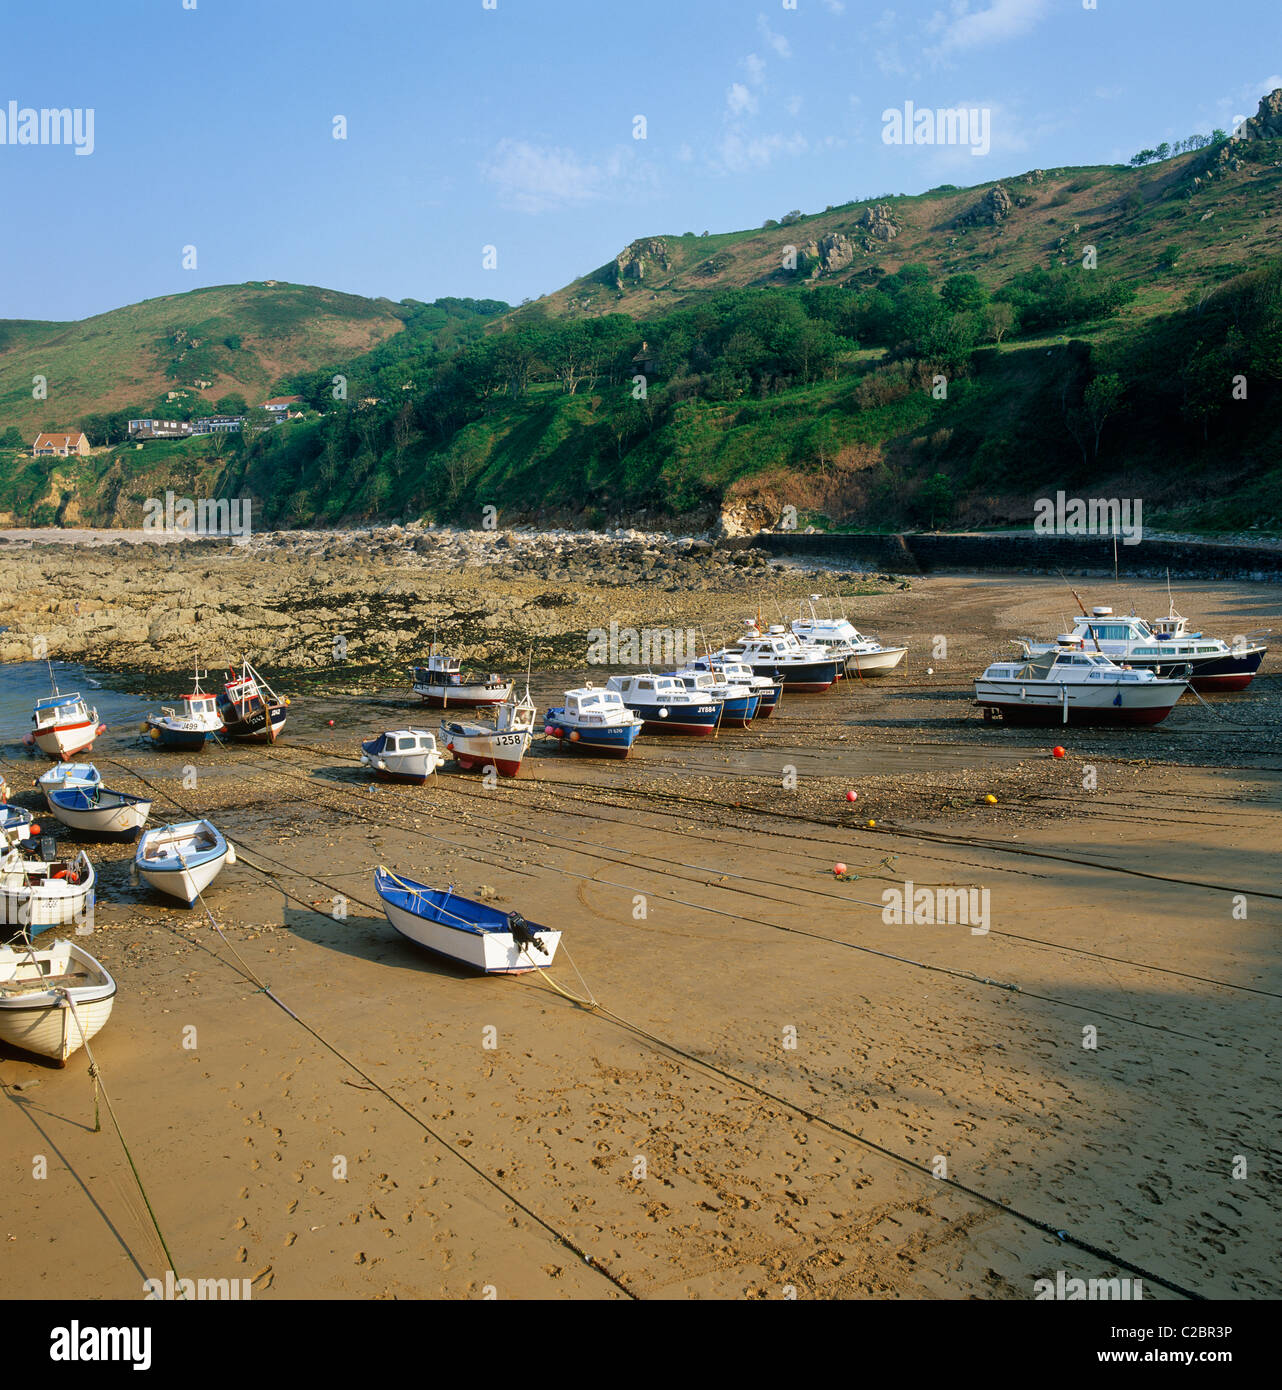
(806, 668)
(1066, 684)
(666, 706)
(1166, 648)
(727, 664)
(593, 720)
(739, 700)
(863, 656)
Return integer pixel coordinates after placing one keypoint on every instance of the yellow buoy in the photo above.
(991, 799)
(872, 825)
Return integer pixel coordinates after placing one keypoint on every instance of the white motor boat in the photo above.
(803, 667)
(1068, 685)
(53, 999)
(402, 755)
(186, 729)
(443, 682)
(183, 859)
(40, 893)
(862, 655)
(64, 725)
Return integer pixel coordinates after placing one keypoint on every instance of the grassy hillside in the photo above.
(942, 359)
(239, 338)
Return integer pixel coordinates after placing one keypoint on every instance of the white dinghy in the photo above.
(53, 998)
(40, 893)
(183, 859)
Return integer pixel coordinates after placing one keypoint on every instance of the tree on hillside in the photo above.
(12, 438)
(963, 293)
(999, 319)
(232, 404)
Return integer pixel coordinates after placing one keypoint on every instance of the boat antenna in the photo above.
(53, 680)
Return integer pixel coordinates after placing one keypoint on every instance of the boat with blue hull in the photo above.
(100, 812)
(593, 721)
(186, 729)
(666, 706)
(809, 670)
(739, 702)
(726, 663)
(473, 934)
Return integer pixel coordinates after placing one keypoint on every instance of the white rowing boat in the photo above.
(53, 998)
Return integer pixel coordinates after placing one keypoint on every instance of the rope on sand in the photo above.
(100, 1085)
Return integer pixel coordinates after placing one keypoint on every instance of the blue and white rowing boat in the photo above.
(96, 810)
(16, 819)
(483, 938)
(68, 775)
(183, 859)
(593, 721)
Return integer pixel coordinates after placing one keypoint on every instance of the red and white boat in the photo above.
(65, 726)
(500, 745)
(443, 682)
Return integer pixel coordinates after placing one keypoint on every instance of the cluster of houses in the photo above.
(62, 444)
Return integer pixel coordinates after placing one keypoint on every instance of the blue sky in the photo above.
(513, 126)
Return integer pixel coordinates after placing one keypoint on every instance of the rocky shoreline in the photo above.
(369, 601)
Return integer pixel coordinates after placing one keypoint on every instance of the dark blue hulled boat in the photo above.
(593, 721)
(666, 706)
(483, 938)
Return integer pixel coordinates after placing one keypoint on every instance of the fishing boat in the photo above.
(501, 744)
(443, 682)
(39, 893)
(666, 706)
(1167, 648)
(53, 998)
(68, 775)
(249, 707)
(183, 859)
(802, 667)
(1069, 685)
(402, 755)
(483, 938)
(98, 811)
(18, 820)
(728, 664)
(861, 655)
(64, 725)
(185, 729)
(593, 721)
(739, 702)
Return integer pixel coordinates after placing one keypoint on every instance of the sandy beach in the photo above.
(780, 1095)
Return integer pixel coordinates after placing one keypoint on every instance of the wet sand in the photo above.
(723, 1172)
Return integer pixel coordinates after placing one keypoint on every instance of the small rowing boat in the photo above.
(182, 860)
(53, 998)
(96, 810)
(68, 775)
(402, 755)
(17, 820)
(483, 938)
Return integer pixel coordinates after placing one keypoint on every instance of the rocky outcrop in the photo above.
(634, 262)
(831, 252)
(994, 207)
(1266, 124)
(1227, 156)
(878, 223)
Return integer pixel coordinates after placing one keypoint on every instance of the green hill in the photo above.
(945, 358)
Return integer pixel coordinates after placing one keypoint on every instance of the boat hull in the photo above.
(502, 751)
(695, 721)
(42, 1021)
(488, 952)
(804, 678)
(255, 725)
(875, 663)
(169, 874)
(463, 696)
(177, 740)
(593, 740)
(122, 820)
(1048, 708)
(65, 741)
